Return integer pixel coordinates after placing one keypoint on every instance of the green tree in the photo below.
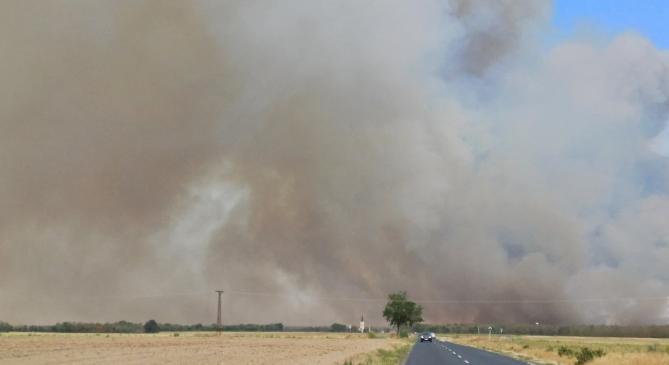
(401, 311)
(5, 327)
(151, 326)
(338, 327)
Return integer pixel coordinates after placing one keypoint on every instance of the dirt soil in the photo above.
(186, 348)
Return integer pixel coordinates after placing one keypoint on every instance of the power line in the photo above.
(458, 301)
(372, 299)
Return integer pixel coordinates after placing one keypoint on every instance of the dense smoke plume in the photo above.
(310, 157)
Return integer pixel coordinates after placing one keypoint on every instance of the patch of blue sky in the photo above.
(649, 18)
(609, 18)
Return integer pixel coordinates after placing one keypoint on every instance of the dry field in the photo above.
(186, 348)
(545, 349)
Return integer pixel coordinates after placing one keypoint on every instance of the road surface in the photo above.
(447, 353)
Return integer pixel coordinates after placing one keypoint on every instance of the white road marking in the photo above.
(459, 356)
(466, 362)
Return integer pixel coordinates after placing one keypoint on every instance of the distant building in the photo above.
(362, 323)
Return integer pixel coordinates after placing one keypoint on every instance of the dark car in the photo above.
(427, 337)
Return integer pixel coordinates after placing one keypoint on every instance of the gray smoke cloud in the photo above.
(310, 157)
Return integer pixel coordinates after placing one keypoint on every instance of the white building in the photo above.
(362, 324)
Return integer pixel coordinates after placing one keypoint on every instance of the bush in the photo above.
(586, 355)
(151, 326)
(565, 351)
(404, 333)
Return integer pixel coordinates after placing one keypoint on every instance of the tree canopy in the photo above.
(400, 311)
(151, 326)
(338, 327)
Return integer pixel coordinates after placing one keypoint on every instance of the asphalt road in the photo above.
(447, 353)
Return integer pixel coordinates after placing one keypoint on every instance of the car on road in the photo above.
(428, 337)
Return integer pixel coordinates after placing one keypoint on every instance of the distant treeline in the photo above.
(335, 327)
(654, 331)
(307, 329)
(129, 327)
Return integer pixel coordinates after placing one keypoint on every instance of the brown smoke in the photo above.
(310, 157)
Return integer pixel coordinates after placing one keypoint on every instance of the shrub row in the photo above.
(653, 331)
(129, 327)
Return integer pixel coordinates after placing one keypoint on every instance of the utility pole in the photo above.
(218, 318)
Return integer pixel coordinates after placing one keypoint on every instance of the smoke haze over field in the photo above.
(313, 154)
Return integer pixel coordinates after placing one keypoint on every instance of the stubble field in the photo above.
(187, 348)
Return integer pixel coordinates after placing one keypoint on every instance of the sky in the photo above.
(648, 17)
(311, 159)
(609, 18)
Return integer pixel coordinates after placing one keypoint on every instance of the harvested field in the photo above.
(563, 350)
(193, 348)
